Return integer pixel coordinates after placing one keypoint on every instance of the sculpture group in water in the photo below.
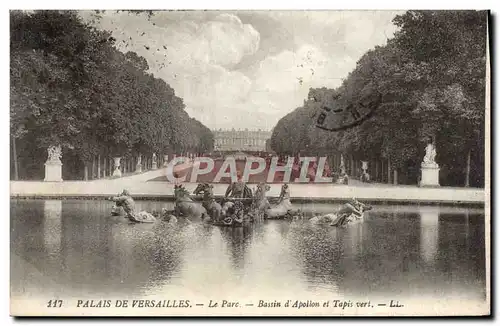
(349, 213)
(125, 202)
(238, 207)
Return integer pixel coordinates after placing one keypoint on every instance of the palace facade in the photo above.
(241, 140)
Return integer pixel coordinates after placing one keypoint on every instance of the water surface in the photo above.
(74, 247)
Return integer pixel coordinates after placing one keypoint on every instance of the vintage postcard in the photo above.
(249, 163)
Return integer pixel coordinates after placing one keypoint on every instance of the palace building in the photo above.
(241, 140)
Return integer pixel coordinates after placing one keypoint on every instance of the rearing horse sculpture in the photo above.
(184, 205)
(213, 208)
(284, 205)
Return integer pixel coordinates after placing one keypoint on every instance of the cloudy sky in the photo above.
(247, 69)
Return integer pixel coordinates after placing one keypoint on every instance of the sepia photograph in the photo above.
(250, 163)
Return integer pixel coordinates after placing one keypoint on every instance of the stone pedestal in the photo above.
(53, 165)
(117, 173)
(53, 171)
(430, 176)
(430, 169)
(165, 160)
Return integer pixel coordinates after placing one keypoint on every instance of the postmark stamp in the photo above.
(340, 116)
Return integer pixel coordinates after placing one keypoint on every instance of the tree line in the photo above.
(70, 86)
(430, 78)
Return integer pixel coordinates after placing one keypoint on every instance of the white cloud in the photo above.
(282, 82)
(225, 40)
(196, 53)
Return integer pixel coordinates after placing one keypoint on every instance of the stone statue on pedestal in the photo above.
(342, 165)
(117, 172)
(341, 177)
(365, 176)
(430, 156)
(364, 166)
(53, 165)
(138, 166)
(54, 154)
(155, 162)
(430, 169)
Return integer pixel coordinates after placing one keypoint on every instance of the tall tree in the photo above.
(70, 86)
(431, 78)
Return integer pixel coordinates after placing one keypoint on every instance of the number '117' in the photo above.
(54, 304)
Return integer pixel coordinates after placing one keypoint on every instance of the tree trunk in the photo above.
(98, 166)
(467, 169)
(382, 174)
(395, 177)
(380, 171)
(105, 167)
(91, 168)
(14, 154)
(352, 167)
(389, 170)
(376, 170)
(86, 172)
(94, 168)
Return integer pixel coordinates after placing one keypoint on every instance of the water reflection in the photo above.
(52, 227)
(237, 241)
(429, 232)
(354, 239)
(397, 250)
(320, 252)
(85, 247)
